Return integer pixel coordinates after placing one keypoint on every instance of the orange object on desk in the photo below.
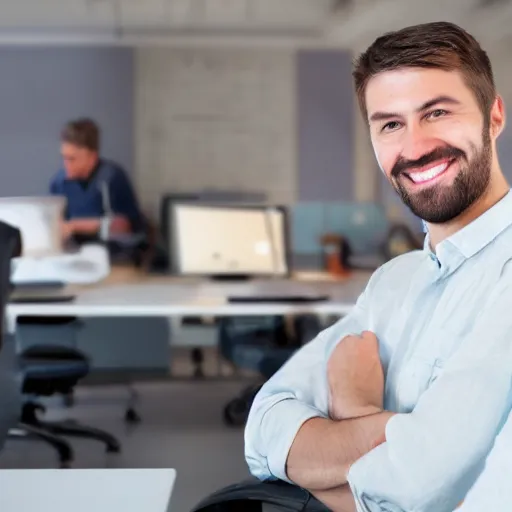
(334, 247)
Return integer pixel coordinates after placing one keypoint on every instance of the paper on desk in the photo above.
(89, 265)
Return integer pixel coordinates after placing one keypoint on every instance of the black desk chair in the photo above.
(263, 345)
(45, 370)
(10, 393)
(255, 496)
(49, 370)
(10, 380)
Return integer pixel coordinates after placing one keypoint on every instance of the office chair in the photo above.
(263, 345)
(255, 496)
(46, 370)
(55, 370)
(10, 392)
(10, 388)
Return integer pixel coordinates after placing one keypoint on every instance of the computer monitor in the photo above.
(228, 240)
(38, 219)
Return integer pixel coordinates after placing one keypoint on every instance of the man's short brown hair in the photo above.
(440, 45)
(83, 133)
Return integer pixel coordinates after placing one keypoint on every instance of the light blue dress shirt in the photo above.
(444, 323)
(493, 489)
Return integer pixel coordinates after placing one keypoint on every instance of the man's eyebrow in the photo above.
(384, 116)
(435, 101)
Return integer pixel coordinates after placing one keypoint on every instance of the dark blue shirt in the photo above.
(108, 191)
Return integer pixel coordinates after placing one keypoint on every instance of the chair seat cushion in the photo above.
(43, 369)
(50, 369)
(52, 353)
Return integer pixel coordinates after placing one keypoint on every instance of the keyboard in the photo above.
(272, 299)
(40, 293)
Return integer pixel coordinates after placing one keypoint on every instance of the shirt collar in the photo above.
(484, 229)
(478, 234)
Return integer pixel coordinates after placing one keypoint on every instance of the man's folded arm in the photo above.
(292, 408)
(433, 455)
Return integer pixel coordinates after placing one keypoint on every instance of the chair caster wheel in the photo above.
(113, 449)
(65, 464)
(235, 413)
(131, 416)
(68, 400)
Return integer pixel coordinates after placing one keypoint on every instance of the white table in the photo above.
(90, 490)
(129, 293)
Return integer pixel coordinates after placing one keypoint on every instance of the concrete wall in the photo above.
(215, 118)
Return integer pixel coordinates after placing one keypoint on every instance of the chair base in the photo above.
(68, 428)
(236, 411)
(63, 448)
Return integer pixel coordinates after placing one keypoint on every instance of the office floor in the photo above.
(182, 428)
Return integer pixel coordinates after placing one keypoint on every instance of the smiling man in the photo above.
(396, 406)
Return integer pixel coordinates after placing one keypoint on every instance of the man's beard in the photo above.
(442, 203)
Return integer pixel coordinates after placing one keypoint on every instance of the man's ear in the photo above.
(498, 117)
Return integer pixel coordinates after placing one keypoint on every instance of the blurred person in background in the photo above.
(396, 406)
(100, 199)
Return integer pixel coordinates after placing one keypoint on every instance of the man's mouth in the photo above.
(430, 173)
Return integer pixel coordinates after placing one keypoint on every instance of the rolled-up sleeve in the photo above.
(295, 394)
(433, 455)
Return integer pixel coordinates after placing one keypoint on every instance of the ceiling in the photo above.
(159, 20)
(345, 23)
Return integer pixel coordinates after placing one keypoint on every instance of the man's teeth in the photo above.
(419, 177)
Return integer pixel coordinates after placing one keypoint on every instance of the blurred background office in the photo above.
(226, 101)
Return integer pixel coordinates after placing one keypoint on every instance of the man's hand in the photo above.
(356, 378)
(91, 226)
(67, 229)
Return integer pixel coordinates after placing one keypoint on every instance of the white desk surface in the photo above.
(89, 490)
(130, 293)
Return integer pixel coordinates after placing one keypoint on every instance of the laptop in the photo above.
(87, 490)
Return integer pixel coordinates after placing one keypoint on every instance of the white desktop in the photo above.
(228, 240)
(88, 490)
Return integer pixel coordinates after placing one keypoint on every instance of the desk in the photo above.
(127, 292)
(91, 490)
(130, 306)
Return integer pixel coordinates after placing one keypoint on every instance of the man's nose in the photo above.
(417, 142)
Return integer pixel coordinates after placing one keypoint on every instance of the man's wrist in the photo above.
(356, 411)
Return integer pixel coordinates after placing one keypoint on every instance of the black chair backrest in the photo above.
(10, 392)
(10, 247)
(254, 496)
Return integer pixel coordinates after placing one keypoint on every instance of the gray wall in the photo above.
(40, 89)
(505, 152)
(325, 126)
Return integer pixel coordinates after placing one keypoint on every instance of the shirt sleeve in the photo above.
(433, 455)
(123, 200)
(296, 393)
(492, 490)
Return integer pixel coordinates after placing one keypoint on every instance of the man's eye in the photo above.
(392, 125)
(436, 113)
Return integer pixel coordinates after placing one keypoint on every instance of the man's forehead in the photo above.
(408, 89)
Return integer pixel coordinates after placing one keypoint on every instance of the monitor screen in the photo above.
(229, 240)
(38, 219)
